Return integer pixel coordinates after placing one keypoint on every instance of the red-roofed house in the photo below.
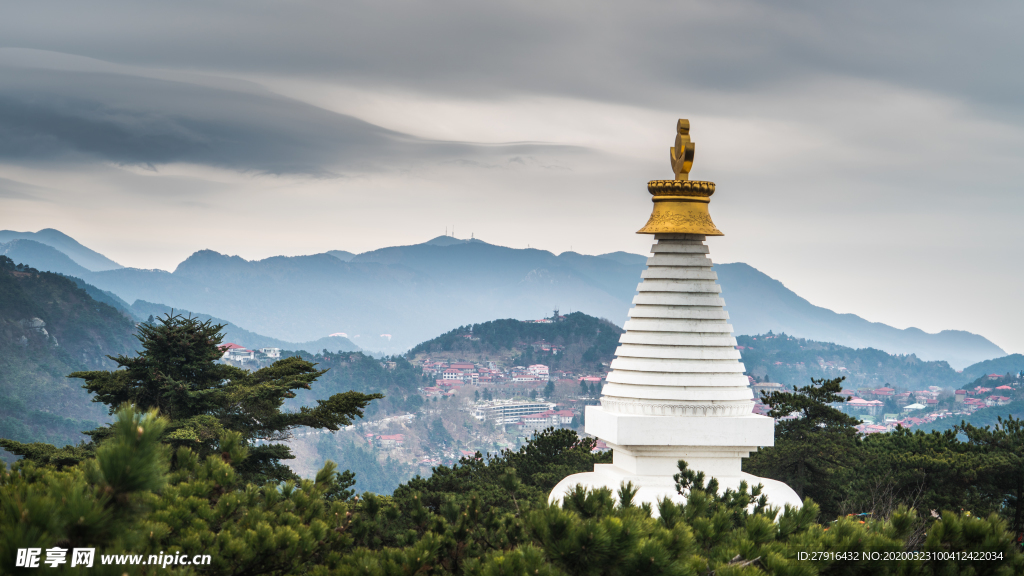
(237, 353)
(391, 440)
(872, 429)
(861, 405)
(544, 419)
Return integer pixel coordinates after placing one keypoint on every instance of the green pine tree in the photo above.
(177, 373)
(815, 451)
(999, 463)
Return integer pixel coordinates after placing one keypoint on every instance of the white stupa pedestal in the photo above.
(646, 451)
(677, 389)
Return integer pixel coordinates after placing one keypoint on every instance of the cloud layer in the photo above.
(88, 116)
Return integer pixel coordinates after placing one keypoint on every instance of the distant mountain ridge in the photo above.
(88, 259)
(394, 298)
(758, 304)
(237, 335)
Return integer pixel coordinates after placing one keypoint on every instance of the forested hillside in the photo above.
(574, 342)
(49, 328)
(1012, 364)
(362, 373)
(794, 361)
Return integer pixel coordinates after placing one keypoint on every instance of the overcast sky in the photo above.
(867, 154)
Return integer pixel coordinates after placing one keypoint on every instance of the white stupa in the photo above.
(677, 389)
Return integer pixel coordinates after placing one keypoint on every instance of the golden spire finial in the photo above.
(681, 205)
(682, 153)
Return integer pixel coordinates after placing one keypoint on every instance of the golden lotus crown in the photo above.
(681, 205)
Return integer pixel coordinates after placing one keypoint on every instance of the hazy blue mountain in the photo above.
(343, 255)
(88, 259)
(626, 258)
(1011, 364)
(42, 257)
(445, 241)
(390, 299)
(45, 257)
(758, 303)
(143, 310)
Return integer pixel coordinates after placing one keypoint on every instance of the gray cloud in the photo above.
(635, 52)
(14, 190)
(60, 115)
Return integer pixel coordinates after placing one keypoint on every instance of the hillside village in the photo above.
(477, 398)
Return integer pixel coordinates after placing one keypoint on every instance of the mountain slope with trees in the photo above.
(1012, 364)
(49, 328)
(793, 361)
(584, 342)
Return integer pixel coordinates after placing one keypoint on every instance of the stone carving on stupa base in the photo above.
(677, 389)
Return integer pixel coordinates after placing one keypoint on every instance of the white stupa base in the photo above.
(653, 489)
(646, 451)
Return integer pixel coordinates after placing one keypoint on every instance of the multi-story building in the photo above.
(538, 370)
(508, 411)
